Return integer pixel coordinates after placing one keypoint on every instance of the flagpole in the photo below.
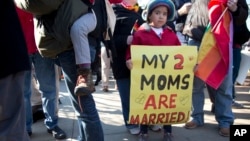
(132, 30)
(217, 22)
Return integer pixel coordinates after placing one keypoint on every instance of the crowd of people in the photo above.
(44, 37)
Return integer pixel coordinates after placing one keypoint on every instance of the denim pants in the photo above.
(198, 98)
(89, 123)
(45, 74)
(27, 100)
(12, 113)
(223, 103)
(198, 95)
(236, 65)
(124, 91)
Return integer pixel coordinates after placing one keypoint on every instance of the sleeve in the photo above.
(134, 42)
(128, 53)
(241, 14)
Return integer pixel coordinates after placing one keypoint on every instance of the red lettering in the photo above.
(144, 119)
(179, 65)
(172, 99)
(135, 120)
(167, 118)
(161, 116)
(150, 102)
(163, 101)
(152, 119)
(173, 117)
(180, 117)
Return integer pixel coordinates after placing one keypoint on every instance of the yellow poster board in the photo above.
(161, 84)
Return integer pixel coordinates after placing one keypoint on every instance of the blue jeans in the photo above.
(236, 65)
(223, 104)
(12, 113)
(27, 101)
(124, 91)
(89, 123)
(45, 74)
(92, 50)
(198, 95)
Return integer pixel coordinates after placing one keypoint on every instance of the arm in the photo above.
(135, 41)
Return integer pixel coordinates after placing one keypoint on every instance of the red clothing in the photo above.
(115, 1)
(27, 24)
(146, 36)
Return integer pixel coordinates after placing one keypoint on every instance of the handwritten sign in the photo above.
(161, 84)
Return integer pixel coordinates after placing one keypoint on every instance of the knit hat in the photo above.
(152, 4)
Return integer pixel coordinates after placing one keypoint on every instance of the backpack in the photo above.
(101, 17)
(105, 23)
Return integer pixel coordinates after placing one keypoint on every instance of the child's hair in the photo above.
(152, 4)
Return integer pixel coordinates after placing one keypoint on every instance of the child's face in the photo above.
(158, 17)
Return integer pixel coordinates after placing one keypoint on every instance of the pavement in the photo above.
(109, 108)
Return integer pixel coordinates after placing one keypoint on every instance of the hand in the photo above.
(184, 9)
(232, 5)
(129, 39)
(129, 64)
(195, 68)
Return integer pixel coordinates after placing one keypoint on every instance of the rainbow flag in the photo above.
(213, 55)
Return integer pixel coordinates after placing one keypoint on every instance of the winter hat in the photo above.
(152, 4)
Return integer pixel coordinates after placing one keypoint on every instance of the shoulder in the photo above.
(168, 29)
(144, 27)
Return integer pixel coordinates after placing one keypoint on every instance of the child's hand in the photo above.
(129, 39)
(195, 68)
(129, 64)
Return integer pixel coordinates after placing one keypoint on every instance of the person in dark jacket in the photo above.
(237, 46)
(126, 17)
(240, 36)
(14, 62)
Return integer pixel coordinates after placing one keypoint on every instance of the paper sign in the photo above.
(161, 84)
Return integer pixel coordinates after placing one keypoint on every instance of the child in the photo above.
(155, 32)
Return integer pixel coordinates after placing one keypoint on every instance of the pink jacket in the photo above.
(27, 24)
